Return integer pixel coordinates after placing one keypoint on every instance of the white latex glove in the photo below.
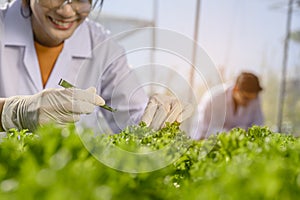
(163, 108)
(61, 106)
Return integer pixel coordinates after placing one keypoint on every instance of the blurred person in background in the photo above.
(242, 107)
(43, 41)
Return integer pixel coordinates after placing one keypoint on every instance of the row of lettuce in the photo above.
(139, 163)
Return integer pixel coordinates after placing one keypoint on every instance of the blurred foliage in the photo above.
(295, 36)
(291, 111)
(53, 163)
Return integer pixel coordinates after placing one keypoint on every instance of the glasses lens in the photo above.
(80, 6)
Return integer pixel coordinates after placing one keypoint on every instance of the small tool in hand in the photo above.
(66, 84)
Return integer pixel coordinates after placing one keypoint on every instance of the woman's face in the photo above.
(53, 22)
(243, 98)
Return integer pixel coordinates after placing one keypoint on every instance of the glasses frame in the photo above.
(65, 2)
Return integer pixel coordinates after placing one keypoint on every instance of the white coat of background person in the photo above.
(230, 106)
(81, 53)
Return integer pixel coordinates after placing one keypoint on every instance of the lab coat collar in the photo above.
(229, 92)
(80, 44)
(18, 32)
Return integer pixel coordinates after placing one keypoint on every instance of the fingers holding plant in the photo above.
(163, 108)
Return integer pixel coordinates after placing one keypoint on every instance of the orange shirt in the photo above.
(47, 57)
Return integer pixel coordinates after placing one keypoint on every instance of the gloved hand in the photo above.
(61, 106)
(163, 108)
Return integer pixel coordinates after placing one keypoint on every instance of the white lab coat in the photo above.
(216, 112)
(89, 58)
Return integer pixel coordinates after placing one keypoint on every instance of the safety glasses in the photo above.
(79, 6)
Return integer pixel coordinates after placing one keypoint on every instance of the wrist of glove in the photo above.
(163, 108)
(61, 106)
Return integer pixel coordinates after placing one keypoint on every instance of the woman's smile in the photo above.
(61, 24)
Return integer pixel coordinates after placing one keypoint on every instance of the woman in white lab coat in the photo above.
(42, 41)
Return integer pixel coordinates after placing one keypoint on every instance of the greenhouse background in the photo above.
(262, 36)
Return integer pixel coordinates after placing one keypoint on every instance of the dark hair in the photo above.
(248, 82)
(27, 12)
